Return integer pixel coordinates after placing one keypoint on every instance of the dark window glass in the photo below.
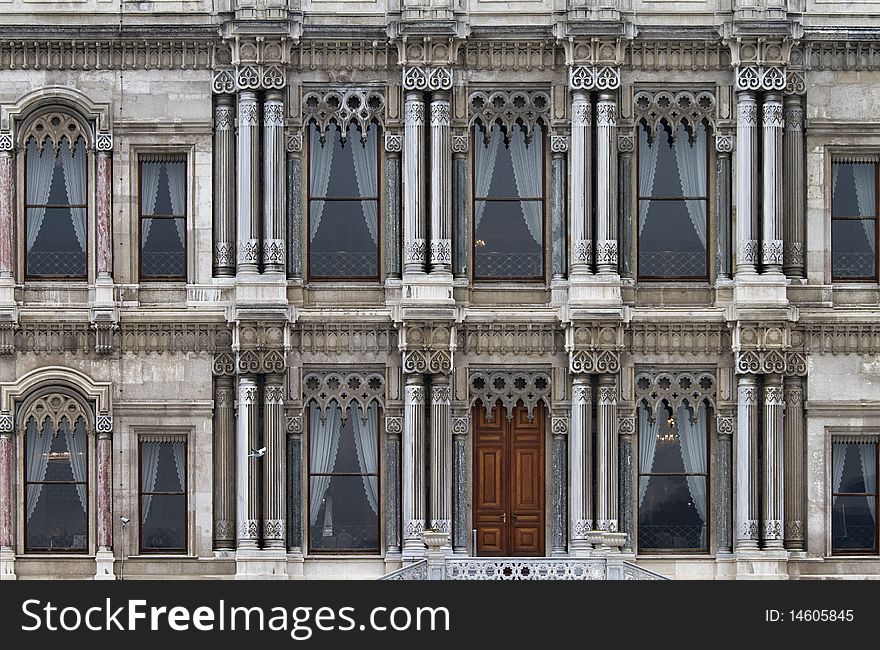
(55, 209)
(163, 496)
(854, 497)
(343, 480)
(853, 221)
(508, 203)
(673, 204)
(343, 203)
(163, 217)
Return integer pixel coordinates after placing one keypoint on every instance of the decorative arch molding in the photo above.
(489, 386)
(359, 106)
(690, 388)
(346, 388)
(57, 406)
(524, 108)
(36, 380)
(663, 109)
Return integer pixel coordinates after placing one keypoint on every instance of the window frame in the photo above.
(309, 198)
(848, 440)
(474, 140)
(836, 160)
(709, 210)
(185, 493)
(146, 157)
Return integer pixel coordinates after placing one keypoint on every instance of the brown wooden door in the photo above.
(509, 482)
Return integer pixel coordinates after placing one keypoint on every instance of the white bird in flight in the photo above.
(257, 453)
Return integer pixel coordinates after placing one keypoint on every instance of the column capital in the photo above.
(104, 425)
(594, 77)
(725, 143)
(104, 142)
(427, 77)
(761, 77)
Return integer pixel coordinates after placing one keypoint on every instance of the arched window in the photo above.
(56, 208)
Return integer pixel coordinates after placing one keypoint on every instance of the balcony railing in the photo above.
(56, 263)
(672, 264)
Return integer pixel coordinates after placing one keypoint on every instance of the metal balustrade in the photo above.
(672, 264)
(522, 568)
(61, 263)
(344, 264)
(508, 265)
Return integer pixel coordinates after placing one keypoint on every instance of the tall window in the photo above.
(673, 203)
(854, 220)
(508, 188)
(56, 495)
(163, 217)
(854, 497)
(343, 203)
(673, 486)
(163, 494)
(344, 479)
(55, 199)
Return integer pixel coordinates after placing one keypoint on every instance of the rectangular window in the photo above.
(343, 203)
(854, 219)
(508, 193)
(163, 494)
(343, 479)
(854, 496)
(163, 217)
(673, 203)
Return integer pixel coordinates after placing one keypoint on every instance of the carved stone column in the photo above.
(746, 449)
(794, 491)
(746, 182)
(441, 455)
(224, 186)
(414, 177)
(247, 485)
(771, 248)
(579, 218)
(460, 192)
(104, 558)
(772, 502)
(7, 220)
(273, 183)
(794, 195)
(7, 463)
(724, 484)
(274, 488)
(294, 206)
(295, 427)
(606, 183)
(580, 476)
(625, 148)
(626, 439)
(723, 149)
(103, 207)
(413, 468)
(247, 195)
(558, 201)
(461, 484)
(393, 145)
(393, 428)
(606, 454)
(559, 478)
(224, 462)
(441, 177)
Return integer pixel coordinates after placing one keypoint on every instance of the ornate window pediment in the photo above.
(489, 386)
(507, 109)
(57, 409)
(53, 128)
(667, 110)
(690, 388)
(346, 389)
(361, 107)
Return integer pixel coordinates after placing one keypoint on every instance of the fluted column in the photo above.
(771, 248)
(274, 487)
(224, 186)
(606, 183)
(746, 450)
(723, 148)
(7, 221)
(559, 475)
(606, 454)
(579, 218)
(773, 457)
(294, 483)
(273, 183)
(746, 182)
(246, 470)
(224, 462)
(794, 196)
(247, 193)
(441, 183)
(724, 485)
(795, 490)
(580, 475)
(558, 202)
(441, 455)
(625, 149)
(392, 205)
(294, 206)
(103, 212)
(393, 426)
(413, 467)
(414, 177)
(104, 491)
(460, 196)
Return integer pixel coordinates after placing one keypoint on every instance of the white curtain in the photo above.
(150, 171)
(74, 165)
(76, 447)
(179, 451)
(40, 169)
(323, 445)
(692, 439)
(38, 445)
(149, 471)
(838, 458)
(365, 161)
(648, 429)
(526, 161)
(835, 173)
(647, 169)
(691, 160)
(320, 162)
(366, 442)
(484, 166)
(866, 195)
(868, 457)
(176, 172)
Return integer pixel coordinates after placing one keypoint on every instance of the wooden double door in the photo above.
(508, 493)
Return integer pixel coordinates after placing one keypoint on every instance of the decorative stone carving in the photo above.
(6, 142)
(461, 425)
(118, 54)
(725, 425)
(295, 424)
(626, 142)
(771, 252)
(441, 251)
(748, 252)
(760, 362)
(724, 143)
(224, 81)
(582, 251)
(393, 142)
(645, 337)
(663, 107)
(626, 425)
(104, 141)
(393, 425)
(57, 409)
(104, 424)
(490, 386)
(431, 362)
(460, 144)
(559, 426)
(520, 339)
(793, 253)
(415, 251)
(606, 252)
(761, 77)
(346, 389)
(427, 77)
(558, 143)
(7, 424)
(343, 338)
(687, 56)
(54, 128)
(503, 54)
(594, 77)
(224, 363)
(508, 109)
(353, 106)
(674, 388)
(293, 142)
(594, 362)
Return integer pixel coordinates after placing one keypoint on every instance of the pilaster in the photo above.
(224, 186)
(224, 462)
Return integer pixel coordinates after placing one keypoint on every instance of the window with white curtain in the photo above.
(55, 206)
(673, 203)
(343, 507)
(163, 217)
(854, 218)
(673, 499)
(854, 493)
(508, 203)
(162, 494)
(343, 186)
